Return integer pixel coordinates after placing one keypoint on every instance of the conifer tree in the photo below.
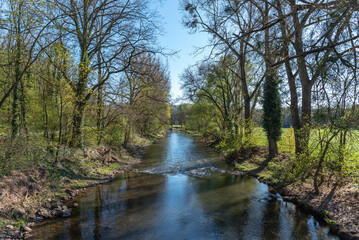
(272, 111)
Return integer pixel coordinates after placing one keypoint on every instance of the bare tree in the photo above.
(313, 33)
(225, 20)
(105, 35)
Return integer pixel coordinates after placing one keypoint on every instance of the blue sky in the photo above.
(177, 38)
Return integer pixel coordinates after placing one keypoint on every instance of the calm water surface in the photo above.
(182, 191)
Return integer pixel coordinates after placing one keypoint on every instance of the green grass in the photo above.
(3, 224)
(287, 143)
(78, 185)
(108, 169)
(331, 222)
(324, 213)
(139, 141)
(257, 166)
(20, 222)
(246, 166)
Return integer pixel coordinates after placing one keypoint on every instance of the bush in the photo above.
(332, 157)
(20, 153)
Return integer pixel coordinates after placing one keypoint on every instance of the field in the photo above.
(287, 143)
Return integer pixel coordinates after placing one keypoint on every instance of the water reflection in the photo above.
(167, 201)
(178, 154)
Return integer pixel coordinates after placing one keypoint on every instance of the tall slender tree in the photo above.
(272, 110)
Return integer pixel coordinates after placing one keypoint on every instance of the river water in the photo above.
(182, 191)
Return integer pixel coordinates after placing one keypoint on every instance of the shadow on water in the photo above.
(181, 191)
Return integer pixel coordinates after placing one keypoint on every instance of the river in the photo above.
(182, 190)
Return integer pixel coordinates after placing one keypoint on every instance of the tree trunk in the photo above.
(77, 124)
(100, 123)
(272, 147)
(245, 93)
(60, 127)
(306, 116)
(127, 134)
(23, 109)
(46, 131)
(80, 95)
(247, 117)
(272, 109)
(15, 122)
(99, 116)
(79, 108)
(236, 129)
(303, 133)
(294, 109)
(99, 103)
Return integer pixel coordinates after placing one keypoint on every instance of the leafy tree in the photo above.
(147, 96)
(222, 20)
(220, 87)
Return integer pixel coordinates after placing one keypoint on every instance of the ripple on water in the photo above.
(190, 171)
(182, 191)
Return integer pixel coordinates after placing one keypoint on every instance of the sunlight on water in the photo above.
(182, 191)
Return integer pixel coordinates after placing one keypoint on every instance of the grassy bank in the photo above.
(40, 192)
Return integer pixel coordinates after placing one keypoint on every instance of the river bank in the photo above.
(335, 206)
(33, 195)
(182, 190)
(178, 158)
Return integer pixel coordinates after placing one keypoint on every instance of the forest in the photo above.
(76, 75)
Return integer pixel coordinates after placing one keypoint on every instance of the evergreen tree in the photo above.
(272, 111)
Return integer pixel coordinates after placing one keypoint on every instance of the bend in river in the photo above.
(182, 191)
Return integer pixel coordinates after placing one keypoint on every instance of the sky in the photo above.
(178, 38)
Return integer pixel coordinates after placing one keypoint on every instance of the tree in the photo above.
(311, 34)
(146, 85)
(26, 31)
(272, 113)
(24, 34)
(111, 32)
(272, 110)
(219, 85)
(179, 113)
(223, 19)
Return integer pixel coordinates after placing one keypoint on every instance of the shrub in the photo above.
(20, 153)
